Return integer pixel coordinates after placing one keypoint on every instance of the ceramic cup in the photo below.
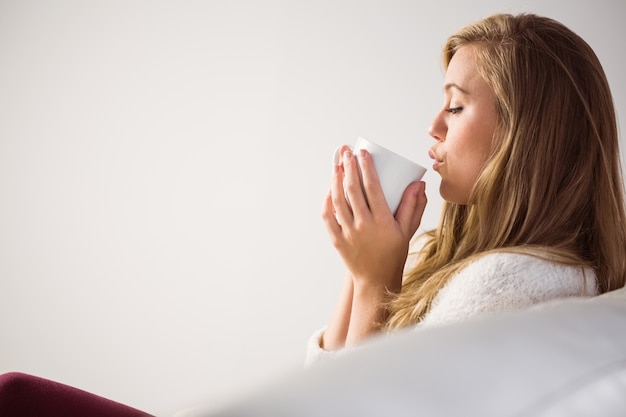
(394, 171)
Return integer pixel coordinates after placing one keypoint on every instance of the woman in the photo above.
(526, 144)
(527, 149)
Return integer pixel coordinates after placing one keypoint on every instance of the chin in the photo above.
(452, 197)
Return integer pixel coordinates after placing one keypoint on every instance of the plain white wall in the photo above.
(163, 165)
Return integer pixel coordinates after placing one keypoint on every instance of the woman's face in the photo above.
(464, 128)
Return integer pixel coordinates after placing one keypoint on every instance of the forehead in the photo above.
(463, 72)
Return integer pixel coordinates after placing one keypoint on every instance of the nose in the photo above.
(438, 127)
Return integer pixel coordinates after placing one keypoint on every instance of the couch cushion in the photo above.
(561, 358)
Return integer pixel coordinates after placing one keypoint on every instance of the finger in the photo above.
(371, 184)
(330, 218)
(411, 209)
(338, 154)
(338, 197)
(352, 184)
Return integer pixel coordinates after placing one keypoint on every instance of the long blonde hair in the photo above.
(553, 186)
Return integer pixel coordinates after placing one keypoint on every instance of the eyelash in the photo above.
(454, 110)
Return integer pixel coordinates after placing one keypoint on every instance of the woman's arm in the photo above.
(335, 335)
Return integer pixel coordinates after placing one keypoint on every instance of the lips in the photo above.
(434, 157)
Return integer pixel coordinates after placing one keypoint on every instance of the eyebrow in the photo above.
(448, 86)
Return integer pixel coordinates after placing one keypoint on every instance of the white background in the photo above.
(163, 166)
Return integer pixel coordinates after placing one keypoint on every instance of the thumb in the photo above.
(412, 206)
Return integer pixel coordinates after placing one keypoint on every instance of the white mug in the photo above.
(394, 171)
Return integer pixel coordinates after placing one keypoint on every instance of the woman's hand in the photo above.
(371, 241)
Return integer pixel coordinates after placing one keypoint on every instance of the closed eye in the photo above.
(454, 110)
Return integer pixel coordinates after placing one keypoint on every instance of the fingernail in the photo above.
(421, 188)
(337, 156)
(347, 155)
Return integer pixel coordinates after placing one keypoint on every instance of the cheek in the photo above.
(465, 159)
(471, 165)
(459, 179)
(472, 150)
(467, 153)
(465, 167)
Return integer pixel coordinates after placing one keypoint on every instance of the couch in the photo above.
(563, 358)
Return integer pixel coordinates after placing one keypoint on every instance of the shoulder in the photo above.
(517, 271)
(504, 281)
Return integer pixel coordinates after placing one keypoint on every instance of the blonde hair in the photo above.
(552, 188)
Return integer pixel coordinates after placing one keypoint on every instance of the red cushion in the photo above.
(23, 395)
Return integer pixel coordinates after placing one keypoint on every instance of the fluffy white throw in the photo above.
(497, 282)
